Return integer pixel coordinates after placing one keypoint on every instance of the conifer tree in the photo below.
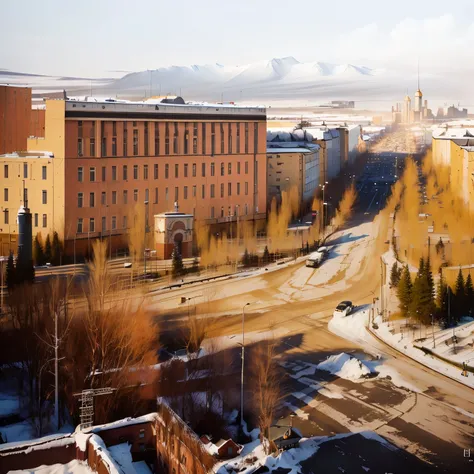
(395, 275)
(266, 255)
(404, 291)
(429, 276)
(459, 296)
(56, 250)
(246, 258)
(441, 297)
(469, 294)
(38, 253)
(10, 272)
(48, 250)
(177, 263)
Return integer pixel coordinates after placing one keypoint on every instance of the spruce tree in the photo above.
(177, 263)
(421, 268)
(429, 276)
(404, 291)
(38, 253)
(441, 297)
(459, 306)
(56, 250)
(266, 255)
(246, 258)
(395, 275)
(48, 250)
(469, 294)
(10, 272)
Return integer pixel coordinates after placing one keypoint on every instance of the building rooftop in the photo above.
(28, 154)
(448, 133)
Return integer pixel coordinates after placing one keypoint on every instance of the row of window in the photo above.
(181, 142)
(44, 195)
(114, 220)
(44, 171)
(186, 189)
(136, 171)
(44, 221)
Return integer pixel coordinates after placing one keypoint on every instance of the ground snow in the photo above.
(345, 367)
(73, 467)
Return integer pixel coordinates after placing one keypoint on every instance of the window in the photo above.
(125, 139)
(135, 142)
(222, 190)
(114, 146)
(134, 123)
(246, 137)
(195, 145)
(25, 195)
(222, 169)
(222, 138)
(114, 222)
(5, 171)
(79, 128)
(6, 216)
(246, 167)
(5, 194)
(155, 171)
(175, 138)
(166, 194)
(114, 173)
(125, 196)
(92, 147)
(44, 172)
(203, 191)
(141, 435)
(194, 191)
(114, 129)
(80, 174)
(176, 193)
(156, 195)
(135, 195)
(229, 189)
(145, 171)
(213, 190)
(238, 167)
(185, 170)
(125, 172)
(25, 170)
(203, 138)
(167, 170)
(114, 197)
(255, 137)
(230, 139)
(36, 219)
(238, 138)
(186, 139)
(185, 193)
(194, 170)
(44, 197)
(104, 224)
(167, 139)
(212, 212)
(222, 211)
(103, 149)
(104, 173)
(203, 170)
(103, 198)
(213, 169)
(238, 189)
(229, 168)
(91, 175)
(91, 200)
(45, 220)
(146, 138)
(124, 222)
(80, 223)
(176, 170)
(147, 195)
(213, 138)
(246, 188)
(135, 171)
(157, 139)
(79, 147)
(91, 224)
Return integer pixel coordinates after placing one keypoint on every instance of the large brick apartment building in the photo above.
(92, 161)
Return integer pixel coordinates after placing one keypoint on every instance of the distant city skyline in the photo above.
(109, 39)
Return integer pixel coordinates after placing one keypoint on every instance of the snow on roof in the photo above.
(150, 417)
(29, 154)
(453, 132)
(294, 149)
(72, 467)
(100, 447)
(123, 457)
(468, 148)
(46, 442)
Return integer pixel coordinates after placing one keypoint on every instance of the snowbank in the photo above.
(345, 367)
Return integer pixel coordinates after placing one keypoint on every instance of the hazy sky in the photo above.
(96, 37)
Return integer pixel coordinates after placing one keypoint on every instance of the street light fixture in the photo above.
(144, 237)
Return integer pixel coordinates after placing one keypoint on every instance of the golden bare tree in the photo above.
(345, 208)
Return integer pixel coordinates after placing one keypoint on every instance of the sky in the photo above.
(107, 38)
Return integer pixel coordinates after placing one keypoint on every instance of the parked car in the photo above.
(344, 308)
(316, 258)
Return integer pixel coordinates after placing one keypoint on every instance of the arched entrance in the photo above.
(178, 242)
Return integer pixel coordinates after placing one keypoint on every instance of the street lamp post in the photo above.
(242, 369)
(144, 238)
(432, 327)
(323, 187)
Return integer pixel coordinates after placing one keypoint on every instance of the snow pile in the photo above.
(81, 440)
(73, 467)
(353, 326)
(345, 367)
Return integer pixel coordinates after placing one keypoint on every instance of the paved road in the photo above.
(433, 424)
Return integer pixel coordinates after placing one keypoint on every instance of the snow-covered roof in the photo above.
(46, 442)
(281, 149)
(150, 417)
(470, 149)
(448, 133)
(28, 154)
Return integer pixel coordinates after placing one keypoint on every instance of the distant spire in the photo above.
(418, 73)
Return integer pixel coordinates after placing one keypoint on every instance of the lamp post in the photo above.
(323, 187)
(144, 238)
(242, 370)
(432, 327)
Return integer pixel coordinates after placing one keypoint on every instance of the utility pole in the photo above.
(56, 371)
(144, 238)
(242, 369)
